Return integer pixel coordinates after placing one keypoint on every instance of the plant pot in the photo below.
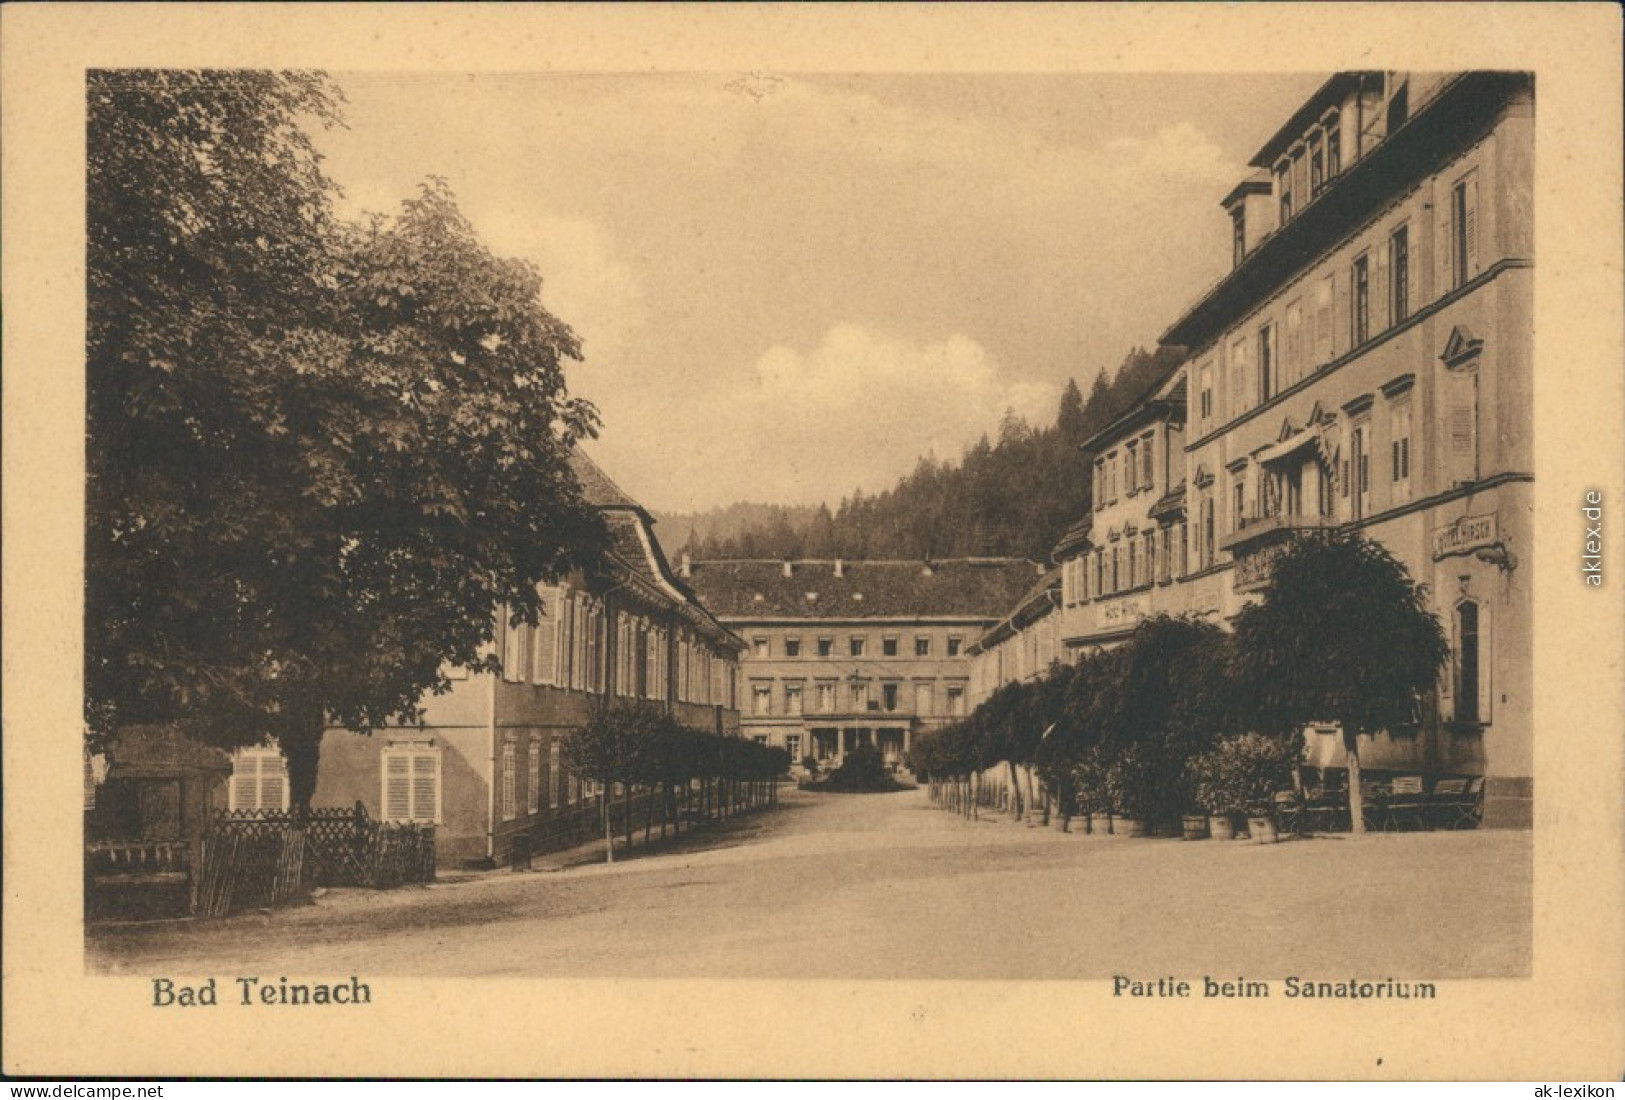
(1100, 824)
(1220, 827)
(1130, 826)
(1195, 826)
(1262, 830)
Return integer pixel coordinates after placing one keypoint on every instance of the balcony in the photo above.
(1276, 528)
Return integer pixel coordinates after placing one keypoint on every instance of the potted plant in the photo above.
(1260, 766)
(1213, 788)
(1089, 781)
(1132, 786)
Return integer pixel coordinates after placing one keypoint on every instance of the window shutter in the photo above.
(1463, 432)
(512, 671)
(525, 649)
(397, 787)
(533, 776)
(1470, 234)
(545, 648)
(425, 787)
(1378, 291)
(273, 782)
(245, 783)
(510, 766)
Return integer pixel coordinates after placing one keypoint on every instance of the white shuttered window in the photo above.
(259, 780)
(411, 782)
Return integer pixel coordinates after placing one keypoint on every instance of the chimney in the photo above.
(840, 568)
(789, 568)
(685, 566)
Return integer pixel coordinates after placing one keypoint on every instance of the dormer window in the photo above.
(1283, 188)
(1238, 235)
(1334, 143)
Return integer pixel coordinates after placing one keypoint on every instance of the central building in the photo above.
(847, 653)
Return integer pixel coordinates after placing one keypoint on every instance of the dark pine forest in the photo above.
(1012, 495)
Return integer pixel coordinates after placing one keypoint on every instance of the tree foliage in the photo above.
(1120, 731)
(320, 454)
(1341, 634)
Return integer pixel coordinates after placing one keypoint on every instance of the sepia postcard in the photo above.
(814, 541)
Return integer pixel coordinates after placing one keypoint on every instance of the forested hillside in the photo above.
(1009, 495)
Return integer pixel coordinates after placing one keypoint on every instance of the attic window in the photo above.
(758, 598)
(812, 597)
(857, 595)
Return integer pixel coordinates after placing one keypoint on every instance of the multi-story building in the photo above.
(486, 764)
(1367, 364)
(841, 654)
(1022, 645)
(1119, 562)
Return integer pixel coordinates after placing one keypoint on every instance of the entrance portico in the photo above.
(830, 744)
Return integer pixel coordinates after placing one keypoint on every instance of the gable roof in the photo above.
(964, 588)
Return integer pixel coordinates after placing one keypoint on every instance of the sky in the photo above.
(791, 287)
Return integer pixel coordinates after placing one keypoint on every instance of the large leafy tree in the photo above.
(1342, 634)
(319, 454)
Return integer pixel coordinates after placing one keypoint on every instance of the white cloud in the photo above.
(1179, 154)
(856, 411)
(584, 283)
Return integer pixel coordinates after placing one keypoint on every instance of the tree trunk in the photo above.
(1351, 744)
(301, 740)
(1015, 789)
(1032, 793)
(609, 826)
(626, 806)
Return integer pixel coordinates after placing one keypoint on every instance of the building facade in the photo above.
(1366, 365)
(841, 654)
(1022, 645)
(486, 764)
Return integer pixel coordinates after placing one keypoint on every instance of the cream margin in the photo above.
(1567, 1022)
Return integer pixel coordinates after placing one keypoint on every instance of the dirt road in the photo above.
(853, 886)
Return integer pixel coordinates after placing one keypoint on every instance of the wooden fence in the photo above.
(253, 859)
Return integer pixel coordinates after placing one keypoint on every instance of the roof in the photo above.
(1257, 184)
(1164, 397)
(1074, 536)
(596, 486)
(634, 546)
(1038, 601)
(967, 588)
(1326, 96)
(1436, 132)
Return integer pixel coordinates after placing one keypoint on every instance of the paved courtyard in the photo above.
(887, 886)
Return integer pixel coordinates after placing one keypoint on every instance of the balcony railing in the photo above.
(1269, 528)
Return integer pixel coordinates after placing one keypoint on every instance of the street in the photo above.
(887, 886)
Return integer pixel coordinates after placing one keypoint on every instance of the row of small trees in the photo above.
(644, 754)
(1185, 716)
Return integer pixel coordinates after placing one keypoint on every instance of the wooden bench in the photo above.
(1406, 803)
(1456, 803)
